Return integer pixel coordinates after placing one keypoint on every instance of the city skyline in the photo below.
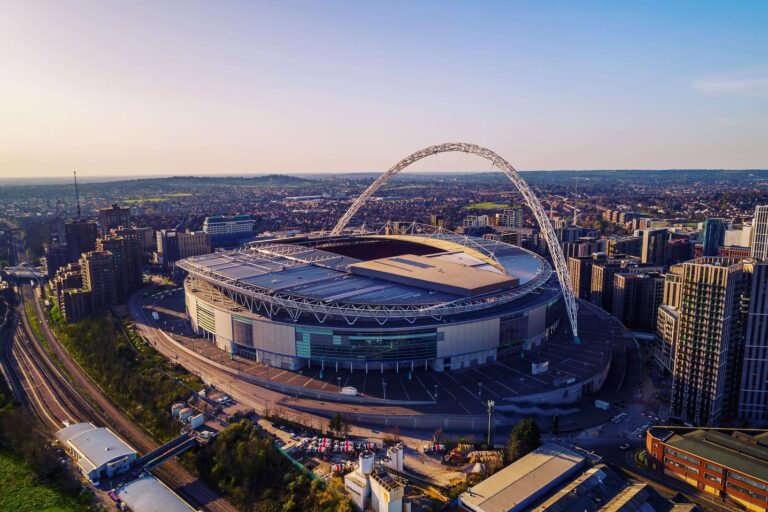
(340, 87)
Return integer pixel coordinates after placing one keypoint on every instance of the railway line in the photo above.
(55, 394)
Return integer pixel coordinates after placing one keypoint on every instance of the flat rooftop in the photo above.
(97, 445)
(288, 267)
(457, 277)
(520, 483)
(741, 451)
(148, 494)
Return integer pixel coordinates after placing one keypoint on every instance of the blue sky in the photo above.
(171, 87)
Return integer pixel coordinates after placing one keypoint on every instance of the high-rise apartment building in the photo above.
(80, 236)
(98, 272)
(603, 271)
(636, 299)
(126, 259)
(654, 246)
(624, 246)
(713, 236)
(193, 244)
(584, 246)
(476, 221)
(510, 217)
(55, 258)
(753, 393)
(167, 246)
(668, 320)
(134, 249)
(760, 234)
(667, 329)
(437, 220)
(173, 245)
(147, 237)
(580, 272)
(707, 360)
(114, 217)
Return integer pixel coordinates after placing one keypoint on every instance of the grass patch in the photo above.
(21, 490)
(157, 199)
(139, 379)
(487, 205)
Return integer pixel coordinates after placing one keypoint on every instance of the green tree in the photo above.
(336, 424)
(524, 438)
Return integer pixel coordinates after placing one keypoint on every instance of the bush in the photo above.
(243, 463)
(139, 379)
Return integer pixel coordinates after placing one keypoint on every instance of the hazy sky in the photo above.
(111, 87)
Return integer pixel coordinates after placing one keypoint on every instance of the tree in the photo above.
(524, 438)
(336, 424)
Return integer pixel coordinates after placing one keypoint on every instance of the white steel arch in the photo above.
(530, 199)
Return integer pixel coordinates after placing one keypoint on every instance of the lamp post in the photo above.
(491, 404)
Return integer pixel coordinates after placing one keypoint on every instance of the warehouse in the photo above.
(98, 452)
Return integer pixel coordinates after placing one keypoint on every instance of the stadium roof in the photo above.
(298, 270)
(459, 277)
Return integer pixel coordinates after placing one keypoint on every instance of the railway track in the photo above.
(74, 395)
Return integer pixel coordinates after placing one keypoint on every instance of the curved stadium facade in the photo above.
(386, 301)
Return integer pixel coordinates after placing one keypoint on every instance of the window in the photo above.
(747, 480)
(715, 469)
(713, 478)
(692, 460)
(680, 465)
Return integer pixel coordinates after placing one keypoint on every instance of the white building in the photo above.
(220, 226)
(148, 494)
(760, 234)
(96, 451)
(377, 491)
(738, 237)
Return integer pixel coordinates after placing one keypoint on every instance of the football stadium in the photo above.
(430, 300)
(416, 301)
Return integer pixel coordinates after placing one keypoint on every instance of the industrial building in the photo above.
(98, 452)
(148, 494)
(726, 463)
(373, 489)
(553, 478)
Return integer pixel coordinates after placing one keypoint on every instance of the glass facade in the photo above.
(332, 345)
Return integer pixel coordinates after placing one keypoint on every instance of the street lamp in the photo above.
(491, 404)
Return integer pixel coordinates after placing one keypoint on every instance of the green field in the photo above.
(20, 491)
(158, 199)
(488, 205)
